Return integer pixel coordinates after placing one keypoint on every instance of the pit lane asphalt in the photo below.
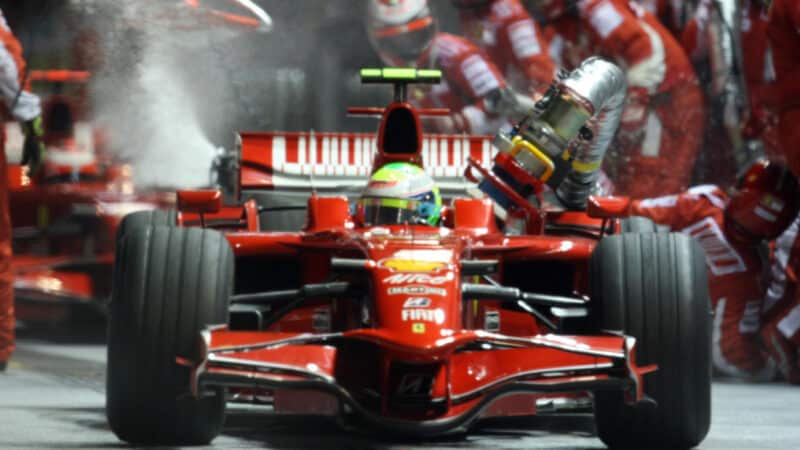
(52, 397)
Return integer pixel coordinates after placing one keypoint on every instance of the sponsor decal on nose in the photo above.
(423, 315)
(423, 278)
(417, 302)
(416, 290)
(411, 265)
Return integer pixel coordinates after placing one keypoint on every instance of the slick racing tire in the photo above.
(141, 219)
(637, 224)
(654, 287)
(172, 283)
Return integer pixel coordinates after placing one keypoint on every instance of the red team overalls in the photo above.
(735, 273)
(673, 14)
(467, 76)
(513, 42)
(784, 37)
(781, 312)
(759, 76)
(662, 124)
(23, 106)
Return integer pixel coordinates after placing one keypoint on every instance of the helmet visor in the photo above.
(393, 211)
(409, 43)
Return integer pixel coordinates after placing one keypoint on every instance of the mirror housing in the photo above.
(207, 201)
(608, 207)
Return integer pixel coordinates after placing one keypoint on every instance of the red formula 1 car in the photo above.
(413, 328)
(65, 216)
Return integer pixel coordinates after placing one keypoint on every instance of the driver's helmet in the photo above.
(765, 202)
(400, 193)
(400, 30)
(68, 162)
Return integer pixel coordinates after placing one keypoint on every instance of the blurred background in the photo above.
(169, 89)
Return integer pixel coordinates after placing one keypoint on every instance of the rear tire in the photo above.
(171, 283)
(654, 287)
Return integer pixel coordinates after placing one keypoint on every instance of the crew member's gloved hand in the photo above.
(758, 122)
(504, 102)
(33, 149)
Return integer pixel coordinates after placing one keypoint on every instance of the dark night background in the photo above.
(301, 76)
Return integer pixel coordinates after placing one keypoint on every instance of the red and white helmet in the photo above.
(70, 163)
(764, 204)
(400, 30)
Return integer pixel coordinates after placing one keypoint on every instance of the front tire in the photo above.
(170, 283)
(654, 287)
(637, 224)
(142, 219)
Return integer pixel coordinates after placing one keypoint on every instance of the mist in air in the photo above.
(163, 138)
(171, 90)
(144, 106)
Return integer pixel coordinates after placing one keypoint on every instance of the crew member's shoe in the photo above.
(783, 353)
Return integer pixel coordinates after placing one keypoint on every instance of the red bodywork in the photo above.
(405, 351)
(65, 217)
(64, 238)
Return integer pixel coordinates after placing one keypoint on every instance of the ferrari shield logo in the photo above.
(418, 328)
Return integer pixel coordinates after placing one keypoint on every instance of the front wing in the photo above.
(45, 287)
(436, 388)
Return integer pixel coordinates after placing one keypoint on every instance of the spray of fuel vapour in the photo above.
(143, 98)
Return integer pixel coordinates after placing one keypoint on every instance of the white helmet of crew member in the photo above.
(400, 30)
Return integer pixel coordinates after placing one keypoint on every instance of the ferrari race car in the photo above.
(527, 289)
(65, 216)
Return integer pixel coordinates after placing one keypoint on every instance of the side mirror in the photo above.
(200, 201)
(327, 213)
(608, 207)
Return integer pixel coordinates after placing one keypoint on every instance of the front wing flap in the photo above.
(474, 369)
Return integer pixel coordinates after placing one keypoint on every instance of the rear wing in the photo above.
(341, 163)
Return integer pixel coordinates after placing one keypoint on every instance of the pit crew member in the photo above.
(673, 14)
(781, 312)
(662, 125)
(404, 34)
(730, 230)
(24, 107)
(784, 38)
(759, 74)
(511, 39)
